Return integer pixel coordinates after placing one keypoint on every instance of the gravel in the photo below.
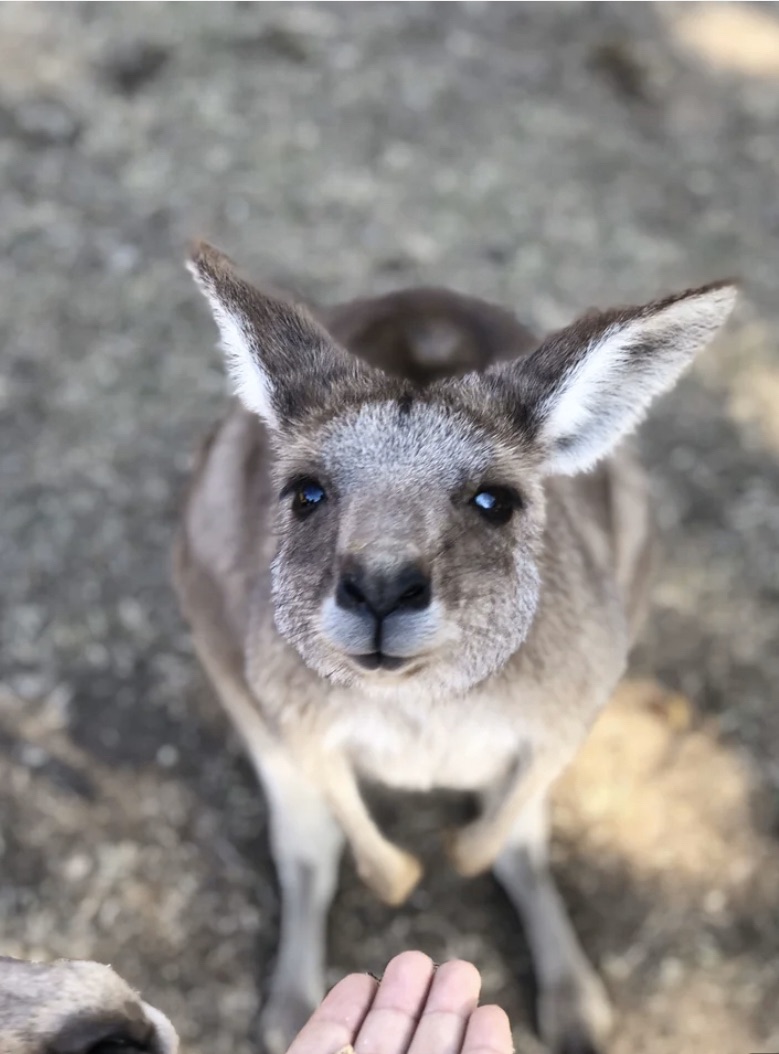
(548, 156)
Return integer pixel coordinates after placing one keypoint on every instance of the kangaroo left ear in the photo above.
(281, 361)
(590, 384)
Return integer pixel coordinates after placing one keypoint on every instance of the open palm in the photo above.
(414, 1009)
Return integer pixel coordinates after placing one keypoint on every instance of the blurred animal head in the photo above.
(72, 1007)
(410, 518)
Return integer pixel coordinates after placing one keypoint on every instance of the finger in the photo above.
(452, 999)
(488, 1032)
(338, 1017)
(391, 1021)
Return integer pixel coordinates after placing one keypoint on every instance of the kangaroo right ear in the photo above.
(281, 361)
(591, 383)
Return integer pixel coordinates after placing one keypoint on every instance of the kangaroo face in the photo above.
(404, 541)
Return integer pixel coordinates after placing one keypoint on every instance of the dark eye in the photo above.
(496, 504)
(308, 495)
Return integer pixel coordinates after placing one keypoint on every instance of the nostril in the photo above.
(349, 595)
(414, 591)
(416, 596)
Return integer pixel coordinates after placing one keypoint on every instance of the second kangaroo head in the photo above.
(410, 519)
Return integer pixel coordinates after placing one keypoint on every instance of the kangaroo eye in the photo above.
(308, 495)
(496, 504)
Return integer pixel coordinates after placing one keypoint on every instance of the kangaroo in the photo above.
(416, 552)
(75, 1007)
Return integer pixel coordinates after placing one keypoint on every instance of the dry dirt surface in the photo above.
(549, 156)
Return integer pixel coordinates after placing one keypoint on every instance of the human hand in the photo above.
(414, 1009)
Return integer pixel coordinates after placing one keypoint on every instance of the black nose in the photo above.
(382, 593)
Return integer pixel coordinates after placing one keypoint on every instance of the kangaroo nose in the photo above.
(383, 592)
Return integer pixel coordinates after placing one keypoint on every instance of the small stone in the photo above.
(676, 710)
(276, 41)
(40, 122)
(32, 756)
(167, 756)
(77, 867)
(715, 902)
(30, 686)
(128, 67)
(671, 971)
(617, 63)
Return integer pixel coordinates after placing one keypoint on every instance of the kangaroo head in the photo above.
(76, 1007)
(410, 519)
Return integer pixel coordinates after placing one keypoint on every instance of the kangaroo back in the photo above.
(426, 334)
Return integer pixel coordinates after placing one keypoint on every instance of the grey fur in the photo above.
(529, 624)
(74, 1007)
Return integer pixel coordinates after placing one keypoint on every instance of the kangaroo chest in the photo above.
(459, 745)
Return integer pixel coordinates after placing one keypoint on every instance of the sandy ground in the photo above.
(549, 156)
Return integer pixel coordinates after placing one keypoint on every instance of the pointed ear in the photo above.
(590, 384)
(281, 361)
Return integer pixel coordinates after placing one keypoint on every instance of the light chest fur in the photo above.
(460, 744)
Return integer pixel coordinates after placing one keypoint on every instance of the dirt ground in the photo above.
(549, 156)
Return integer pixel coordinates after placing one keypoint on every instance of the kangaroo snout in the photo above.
(382, 597)
(381, 614)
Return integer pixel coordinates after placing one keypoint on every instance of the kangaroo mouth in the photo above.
(378, 660)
